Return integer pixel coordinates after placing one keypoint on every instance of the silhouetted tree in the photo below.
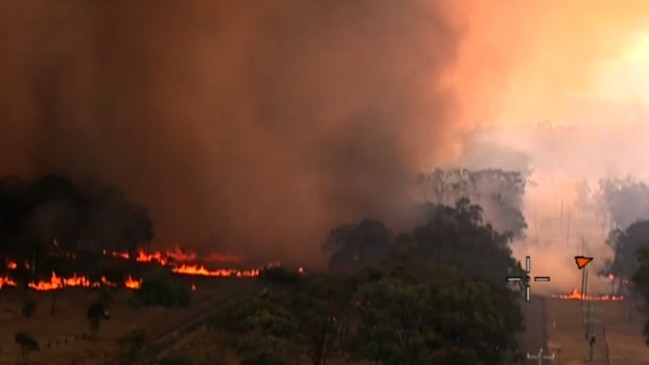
(160, 288)
(626, 200)
(95, 314)
(626, 244)
(27, 344)
(354, 246)
(500, 193)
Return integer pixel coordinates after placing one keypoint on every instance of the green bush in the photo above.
(160, 288)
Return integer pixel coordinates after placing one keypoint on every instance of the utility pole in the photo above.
(584, 275)
(591, 335)
(607, 351)
(540, 357)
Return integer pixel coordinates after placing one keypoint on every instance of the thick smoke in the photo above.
(252, 127)
(255, 126)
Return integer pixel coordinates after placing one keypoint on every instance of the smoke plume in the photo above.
(251, 128)
(254, 127)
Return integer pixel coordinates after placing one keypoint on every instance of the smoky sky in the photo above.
(251, 127)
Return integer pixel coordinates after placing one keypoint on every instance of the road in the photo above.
(535, 335)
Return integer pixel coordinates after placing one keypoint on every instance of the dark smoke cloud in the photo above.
(248, 126)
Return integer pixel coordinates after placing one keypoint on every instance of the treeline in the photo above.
(434, 295)
(500, 193)
(626, 201)
(53, 216)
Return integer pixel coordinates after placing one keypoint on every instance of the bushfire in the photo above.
(55, 282)
(179, 261)
(176, 255)
(577, 295)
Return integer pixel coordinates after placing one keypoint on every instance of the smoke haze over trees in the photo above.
(499, 193)
(53, 216)
(626, 200)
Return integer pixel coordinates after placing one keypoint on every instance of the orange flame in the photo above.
(56, 282)
(577, 295)
(161, 257)
(201, 270)
(178, 255)
(131, 283)
(5, 281)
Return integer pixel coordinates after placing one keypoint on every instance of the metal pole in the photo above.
(606, 348)
(583, 286)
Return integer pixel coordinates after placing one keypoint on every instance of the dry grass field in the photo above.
(59, 335)
(620, 326)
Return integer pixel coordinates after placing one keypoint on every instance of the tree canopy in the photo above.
(436, 294)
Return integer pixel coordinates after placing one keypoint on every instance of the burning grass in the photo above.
(578, 295)
(63, 330)
(177, 261)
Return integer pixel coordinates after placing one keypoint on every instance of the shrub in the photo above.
(160, 288)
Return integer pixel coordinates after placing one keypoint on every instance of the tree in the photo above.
(625, 200)
(96, 312)
(160, 288)
(626, 244)
(116, 222)
(353, 246)
(278, 280)
(458, 236)
(500, 193)
(640, 281)
(261, 331)
(27, 344)
(451, 319)
(323, 310)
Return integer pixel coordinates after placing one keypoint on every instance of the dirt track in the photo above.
(535, 336)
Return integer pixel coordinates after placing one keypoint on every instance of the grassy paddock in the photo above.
(63, 330)
(623, 332)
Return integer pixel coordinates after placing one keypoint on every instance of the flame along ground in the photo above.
(576, 294)
(177, 259)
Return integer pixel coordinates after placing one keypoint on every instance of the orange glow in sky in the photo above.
(522, 61)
